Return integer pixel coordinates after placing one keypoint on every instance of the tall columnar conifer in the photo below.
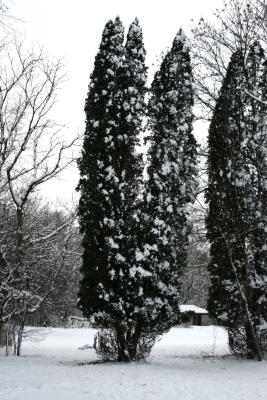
(98, 186)
(171, 186)
(235, 219)
(111, 172)
(256, 182)
(224, 145)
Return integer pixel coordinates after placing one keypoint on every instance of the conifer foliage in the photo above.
(111, 172)
(237, 199)
(134, 250)
(170, 187)
(256, 156)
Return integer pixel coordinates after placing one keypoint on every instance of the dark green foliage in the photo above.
(170, 187)
(235, 222)
(99, 182)
(111, 172)
(256, 187)
(226, 134)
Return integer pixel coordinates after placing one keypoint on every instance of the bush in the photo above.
(237, 340)
(106, 346)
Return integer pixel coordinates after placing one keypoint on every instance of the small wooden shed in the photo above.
(197, 315)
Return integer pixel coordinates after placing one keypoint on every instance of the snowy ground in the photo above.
(182, 367)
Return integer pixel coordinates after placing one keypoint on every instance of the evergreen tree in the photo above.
(171, 185)
(133, 89)
(111, 172)
(224, 300)
(232, 198)
(256, 182)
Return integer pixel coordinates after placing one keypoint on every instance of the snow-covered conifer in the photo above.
(234, 195)
(170, 187)
(223, 215)
(111, 172)
(256, 182)
(99, 182)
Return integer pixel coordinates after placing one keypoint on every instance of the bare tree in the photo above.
(237, 25)
(47, 280)
(33, 150)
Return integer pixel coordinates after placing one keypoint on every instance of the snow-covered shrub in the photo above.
(106, 345)
(237, 340)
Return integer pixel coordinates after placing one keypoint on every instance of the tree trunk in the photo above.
(134, 340)
(123, 354)
(19, 250)
(20, 221)
(252, 339)
(20, 336)
(253, 343)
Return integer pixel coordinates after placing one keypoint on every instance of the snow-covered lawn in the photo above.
(180, 368)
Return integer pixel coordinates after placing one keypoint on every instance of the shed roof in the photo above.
(191, 307)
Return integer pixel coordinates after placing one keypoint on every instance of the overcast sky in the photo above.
(72, 29)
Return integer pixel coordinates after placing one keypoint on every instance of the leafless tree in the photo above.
(33, 150)
(50, 258)
(236, 26)
(195, 278)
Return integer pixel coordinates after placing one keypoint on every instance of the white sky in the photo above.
(72, 29)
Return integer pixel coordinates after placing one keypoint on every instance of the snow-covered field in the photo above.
(181, 367)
